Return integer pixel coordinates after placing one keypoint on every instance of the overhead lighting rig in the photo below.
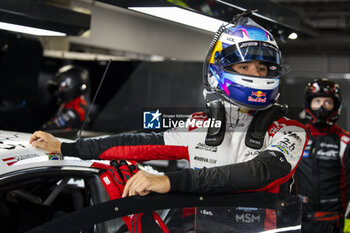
(210, 15)
(41, 19)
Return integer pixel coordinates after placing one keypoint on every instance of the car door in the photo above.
(34, 196)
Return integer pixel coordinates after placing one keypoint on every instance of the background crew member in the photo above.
(323, 173)
(69, 86)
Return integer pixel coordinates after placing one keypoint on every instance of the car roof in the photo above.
(16, 154)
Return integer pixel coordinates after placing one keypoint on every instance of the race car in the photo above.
(44, 192)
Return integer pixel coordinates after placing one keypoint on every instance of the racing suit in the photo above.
(323, 179)
(69, 116)
(229, 167)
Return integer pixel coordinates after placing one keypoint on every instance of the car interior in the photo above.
(33, 199)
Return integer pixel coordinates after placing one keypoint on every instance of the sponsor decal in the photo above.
(252, 43)
(106, 180)
(273, 130)
(268, 45)
(202, 146)
(327, 145)
(306, 154)
(6, 146)
(251, 153)
(258, 97)
(254, 141)
(206, 160)
(330, 154)
(206, 212)
(11, 160)
(281, 148)
(247, 208)
(53, 156)
(304, 199)
(345, 139)
(248, 218)
(272, 153)
(247, 44)
(292, 134)
(12, 137)
(287, 143)
(335, 199)
(27, 156)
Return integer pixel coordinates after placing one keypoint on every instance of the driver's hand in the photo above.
(45, 141)
(142, 183)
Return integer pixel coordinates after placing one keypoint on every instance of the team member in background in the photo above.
(323, 173)
(255, 148)
(68, 87)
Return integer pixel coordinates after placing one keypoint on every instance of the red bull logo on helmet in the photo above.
(257, 96)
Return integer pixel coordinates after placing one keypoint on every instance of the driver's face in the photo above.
(326, 102)
(253, 68)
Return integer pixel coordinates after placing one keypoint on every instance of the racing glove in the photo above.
(114, 180)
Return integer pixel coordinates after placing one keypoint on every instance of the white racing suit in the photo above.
(229, 167)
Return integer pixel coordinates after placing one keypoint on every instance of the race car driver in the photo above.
(69, 85)
(323, 173)
(255, 149)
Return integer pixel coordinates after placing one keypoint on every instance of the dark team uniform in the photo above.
(70, 115)
(323, 177)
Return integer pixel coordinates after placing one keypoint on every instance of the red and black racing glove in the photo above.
(114, 180)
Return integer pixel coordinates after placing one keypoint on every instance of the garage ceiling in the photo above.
(323, 26)
(328, 21)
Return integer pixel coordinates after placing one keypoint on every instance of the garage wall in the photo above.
(121, 29)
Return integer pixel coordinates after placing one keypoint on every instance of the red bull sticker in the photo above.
(257, 96)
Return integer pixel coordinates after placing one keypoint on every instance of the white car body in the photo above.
(17, 154)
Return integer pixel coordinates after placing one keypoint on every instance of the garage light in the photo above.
(293, 36)
(29, 30)
(182, 16)
(42, 19)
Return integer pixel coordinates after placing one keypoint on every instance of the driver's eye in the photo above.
(243, 67)
(262, 68)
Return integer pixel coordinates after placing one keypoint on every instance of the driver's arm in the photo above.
(267, 171)
(135, 146)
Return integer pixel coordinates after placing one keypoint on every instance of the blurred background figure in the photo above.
(323, 173)
(69, 87)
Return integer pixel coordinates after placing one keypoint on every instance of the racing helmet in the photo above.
(322, 87)
(70, 82)
(243, 42)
